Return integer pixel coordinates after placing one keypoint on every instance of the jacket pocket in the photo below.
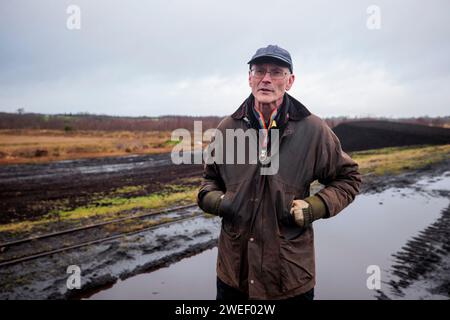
(297, 261)
(229, 255)
(237, 199)
(229, 218)
(283, 195)
(228, 206)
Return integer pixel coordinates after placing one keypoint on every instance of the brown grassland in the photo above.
(38, 146)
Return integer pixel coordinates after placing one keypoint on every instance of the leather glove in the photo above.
(214, 202)
(306, 211)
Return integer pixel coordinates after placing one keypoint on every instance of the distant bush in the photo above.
(40, 153)
(85, 121)
(83, 149)
(68, 122)
(30, 153)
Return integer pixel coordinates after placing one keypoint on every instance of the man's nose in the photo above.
(267, 77)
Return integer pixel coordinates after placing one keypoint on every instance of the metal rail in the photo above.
(87, 243)
(58, 233)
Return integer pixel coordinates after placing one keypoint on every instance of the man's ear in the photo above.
(290, 82)
(249, 79)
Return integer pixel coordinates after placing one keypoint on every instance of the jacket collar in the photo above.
(291, 109)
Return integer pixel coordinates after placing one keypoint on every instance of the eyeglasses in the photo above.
(275, 74)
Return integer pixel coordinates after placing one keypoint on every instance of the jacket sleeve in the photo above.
(337, 171)
(211, 180)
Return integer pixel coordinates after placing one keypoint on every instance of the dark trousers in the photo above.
(227, 293)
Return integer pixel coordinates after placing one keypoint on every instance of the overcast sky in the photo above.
(189, 57)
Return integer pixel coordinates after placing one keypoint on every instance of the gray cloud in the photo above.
(189, 57)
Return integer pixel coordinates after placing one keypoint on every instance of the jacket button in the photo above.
(252, 239)
(252, 282)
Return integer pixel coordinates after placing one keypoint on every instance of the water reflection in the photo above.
(190, 278)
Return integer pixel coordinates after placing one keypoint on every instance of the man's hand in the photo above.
(214, 202)
(308, 210)
(300, 210)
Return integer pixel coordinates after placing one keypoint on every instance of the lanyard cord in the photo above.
(262, 123)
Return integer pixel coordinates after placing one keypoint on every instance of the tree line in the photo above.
(85, 121)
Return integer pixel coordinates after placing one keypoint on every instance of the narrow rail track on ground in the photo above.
(4, 247)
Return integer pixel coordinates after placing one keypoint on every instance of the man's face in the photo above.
(269, 88)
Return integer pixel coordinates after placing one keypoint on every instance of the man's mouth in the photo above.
(265, 90)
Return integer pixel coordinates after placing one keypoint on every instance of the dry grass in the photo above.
(35, 146)
(396, 160)
(106, 209)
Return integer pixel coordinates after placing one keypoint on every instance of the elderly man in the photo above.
(266, 244)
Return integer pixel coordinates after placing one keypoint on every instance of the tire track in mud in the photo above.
(421, 268)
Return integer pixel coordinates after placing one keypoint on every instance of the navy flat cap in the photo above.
(273, 52)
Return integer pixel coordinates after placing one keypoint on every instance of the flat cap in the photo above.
(273, 52)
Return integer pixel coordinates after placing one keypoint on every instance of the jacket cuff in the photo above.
(318, 208)
(210, 202)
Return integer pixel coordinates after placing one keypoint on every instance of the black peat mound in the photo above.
(364, 135)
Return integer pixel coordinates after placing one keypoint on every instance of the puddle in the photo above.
(11, 173)
(191, 278)
(367, 233)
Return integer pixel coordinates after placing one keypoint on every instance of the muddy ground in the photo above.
(100, 265)
(31, 191)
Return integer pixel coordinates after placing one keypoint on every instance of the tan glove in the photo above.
(308, 210)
